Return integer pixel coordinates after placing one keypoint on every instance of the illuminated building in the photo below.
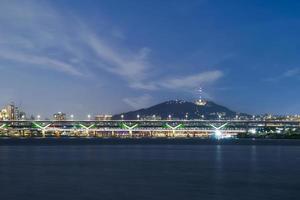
(3, 114)
(103, 117)
(10, 112)
(60, 116)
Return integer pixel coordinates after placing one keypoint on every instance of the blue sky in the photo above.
(109, 56)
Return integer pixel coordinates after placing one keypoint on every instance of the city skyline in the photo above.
(96, 57)
(200, 109)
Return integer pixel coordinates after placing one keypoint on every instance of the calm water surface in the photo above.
(150, 171)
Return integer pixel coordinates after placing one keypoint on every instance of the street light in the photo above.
(138, 117)
(153, 116)
(38, 117)
(122, 117)
(89, 116)
(170, 116)
(72, 117)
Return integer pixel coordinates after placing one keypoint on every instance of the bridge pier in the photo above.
(57, 134)
(174, 132)
(43, 133)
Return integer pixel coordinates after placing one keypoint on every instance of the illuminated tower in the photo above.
(200, 101)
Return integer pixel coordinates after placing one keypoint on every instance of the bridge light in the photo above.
(38, 117)
(252, 131)
(122, 117)
(72, 117)
(153, 116)
(89, 116)
(218, 134)
(170, 117)
(138, 116)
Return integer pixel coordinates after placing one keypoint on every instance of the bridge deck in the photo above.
(139, 127)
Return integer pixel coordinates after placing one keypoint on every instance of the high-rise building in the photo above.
(10, 112)
(60, 116)
(3, 114)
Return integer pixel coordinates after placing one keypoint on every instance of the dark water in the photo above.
(149, 170)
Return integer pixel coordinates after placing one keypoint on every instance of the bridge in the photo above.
(140, 128)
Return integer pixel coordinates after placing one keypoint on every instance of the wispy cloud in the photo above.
(290, 73)
(40, 61)
(188, 83)
(35, 34)
(131, 66)
(182, 82)
(192, 81)
(139, 101)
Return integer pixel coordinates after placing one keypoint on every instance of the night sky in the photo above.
(110, 56)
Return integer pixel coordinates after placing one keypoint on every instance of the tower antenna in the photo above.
(200, 101)
(200, 93)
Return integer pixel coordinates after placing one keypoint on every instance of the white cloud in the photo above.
(35, 34)
(129, 65)
(180, 83)
(292, 72)
(41, 61)
(139, 102)
(183, 82)
(192, 81)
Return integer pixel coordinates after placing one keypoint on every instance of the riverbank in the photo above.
(145, 141)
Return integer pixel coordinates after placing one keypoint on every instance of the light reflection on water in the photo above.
(150, 172)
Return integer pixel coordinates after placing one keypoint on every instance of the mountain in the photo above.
(179, 109)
